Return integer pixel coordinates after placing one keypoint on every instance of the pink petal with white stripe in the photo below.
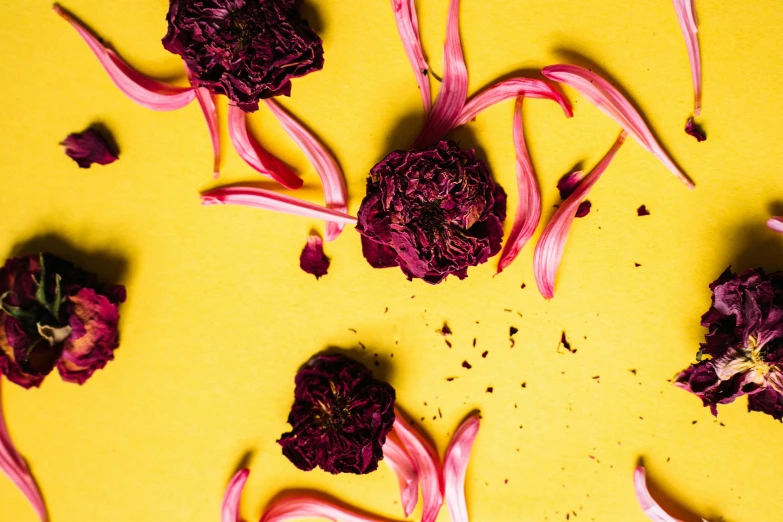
(408, 27)
(332, 179)
(230, 507)
(309, 506)
(455, 466)
(207, 102)
(549, 250)
(686, 14)
(529, 202)
(428, 465)
(269, 200)
(650, 507)
(254, 154)
(405, 468)
(776, 224)
(609, 100)
(143, 90)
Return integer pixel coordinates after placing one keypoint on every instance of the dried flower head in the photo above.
(340, 417)
(88, 147)
(432, 212)
(246, 49)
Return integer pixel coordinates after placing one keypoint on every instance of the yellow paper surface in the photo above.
(219, 315)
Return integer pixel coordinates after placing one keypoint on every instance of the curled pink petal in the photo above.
(455, 466)
(145, 91)
(14, 466)
(254, 154)
(609, 100)
(650, 507)
(549, 250)
(428, 466)
(686, 14)
(332, 179)
(310, 506)
(776, 224)
(529, 205)
(268, 200)
(404, 467)
(408, 27)
(230, 507)
(207, 102)
(453, 91)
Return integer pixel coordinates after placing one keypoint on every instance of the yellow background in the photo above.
(219, 315)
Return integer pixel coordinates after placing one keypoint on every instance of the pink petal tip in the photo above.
(686, 14)
(455, 466)
(649, 506)
(408, 27)
(403, 465)
(231, 499)
(310, 506)
(776, 224)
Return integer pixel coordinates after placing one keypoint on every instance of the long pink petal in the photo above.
(310, 506)
(428, 465)
(141, 89)
(455, 466)
(529, 205)
(230, 507)
(549, 250)
(609, 100)
(454, 89)
(686, 13)
(405, 468)
(650, 507)
(776, 224)
(15, 467)
(254, 154)
(207, 102)
(408, 27)
(268, 200)
(332, 179)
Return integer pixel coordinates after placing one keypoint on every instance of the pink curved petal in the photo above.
(549, 249)
(529, 205)
(268, 200)
(309, 506)
(512, 88)
(428, 466)
(686, 14)
(408, 27)
(454, 89)
(15, 467)
(455, 466)
(254, 154)
(145, 91)
(207, 102)
(230, 507)
(609, 100)
(332, 179)
(776, 224)
(650, 507)
(404, 467)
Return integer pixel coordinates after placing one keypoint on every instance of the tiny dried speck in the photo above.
(694, 422)
(523, 286)
(484, 355)
(642, 211)
(449, 379)
(352, 330)
(565, 344)
(445, 331)
(512, 331)
(524, 385)
(440, 414)
(633, 371)
(490, 389)
(637, 265)
(362, 345)
(466, 365)
(474, 342)
(448, 343)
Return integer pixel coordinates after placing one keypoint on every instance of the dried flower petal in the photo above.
(776, 224)
(567, 185)
(230, 506)
(403, 465)
(408, 27)
(642, 211)
(694, 130)
(332, 179)
(455, 466)
(145, 91)
(88, 147)
(269, 200)
(310, 506)
(609, 100)
(549, 249)
(313, 261)
(686, 14)
(649, 506)
(207, 102)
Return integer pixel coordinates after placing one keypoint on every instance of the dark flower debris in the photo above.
(466, 365)
(512, 331)
(693, 129)
(565, 344)
(490, 389)
(445, 331)
(484, 355)
(642, 211)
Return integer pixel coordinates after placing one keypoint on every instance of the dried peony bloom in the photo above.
(55, 314)
(432, 212)
(313, 260)
(248, 50)
(744, 342)
(340, 417)
(88, 147)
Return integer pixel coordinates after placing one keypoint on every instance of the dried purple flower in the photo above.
(692, 129)
(567, 185)
(340, 417)
(55, 314)
(88, 147)
(246, 49)
(432, 212)
(313, 260)
(744, 343)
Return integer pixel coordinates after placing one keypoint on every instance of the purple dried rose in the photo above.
(432, 212)
(744, 343)
(55, 314)
(692, 129)
(313, 260)
(88, 147)
(246, 49)
(567, 185)
(340, 417)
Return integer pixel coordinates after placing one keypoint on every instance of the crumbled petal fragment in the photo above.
(583, 209)
(642, 211)
(247, 51)
(692, 129)
(403, 465)
(567, 185)
(340, 417)
(88, 147)
(408, 27)
(686, 14)
(310, 506)
(313, 260)
(434, 212)
(455, 466)
(549, 250)
(230, 507)
(776, 224)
